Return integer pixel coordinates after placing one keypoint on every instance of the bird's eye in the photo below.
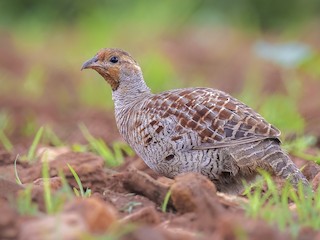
(114, 59)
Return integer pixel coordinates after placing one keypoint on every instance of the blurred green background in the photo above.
(266, 53)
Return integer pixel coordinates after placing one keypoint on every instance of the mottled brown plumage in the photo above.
(192, 130)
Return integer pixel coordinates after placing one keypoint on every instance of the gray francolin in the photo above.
(200, 130)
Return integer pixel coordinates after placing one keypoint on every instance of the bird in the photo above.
(202, 130)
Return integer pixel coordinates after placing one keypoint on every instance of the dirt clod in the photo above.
(8, 188)
(51, 153)
(80, 216)
(139, 182)
(64, 226)
(88, 166)
(234, 226)
(55, 183)
(97, 215)
(311, 170)
(5, 158)
(8, 221)
(147, 215)
(316, 182)
(147, 232)
(193, 192)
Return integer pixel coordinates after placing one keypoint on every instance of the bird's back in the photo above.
(216, 118)
(163, 126)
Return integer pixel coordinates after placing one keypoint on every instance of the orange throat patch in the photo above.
(112, 77)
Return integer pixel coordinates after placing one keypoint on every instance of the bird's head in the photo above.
(114, 65)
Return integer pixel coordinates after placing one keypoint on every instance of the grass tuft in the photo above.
(65, 186)
(54, 201)
(83, 194)
(51, 137)
(288, 208)
(112, 158)
(24, 202)
(299, 147)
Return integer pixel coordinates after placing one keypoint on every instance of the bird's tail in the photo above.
(280, 163)
(268, 155)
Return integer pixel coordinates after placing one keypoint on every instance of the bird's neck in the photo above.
(128, 96)
(130, 91)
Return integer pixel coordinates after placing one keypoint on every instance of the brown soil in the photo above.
(129, 194)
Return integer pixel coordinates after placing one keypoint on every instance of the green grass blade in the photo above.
(46, 187)
(127, 149)
(65, 186)
(85, 132)
(87, 193)
(25, 206)
(166, 201)
(36, 140)
(5, 141)
(52, 137)
(104, 151)
(76, 192)
(16, 171)
(76, 177)
(118, 155)
(99, 146)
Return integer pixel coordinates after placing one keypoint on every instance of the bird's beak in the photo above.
(93, 62)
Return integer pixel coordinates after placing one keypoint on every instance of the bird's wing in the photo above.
(218, 119)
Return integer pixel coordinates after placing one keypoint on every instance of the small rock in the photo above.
(55, 183)
(64, 226)
(193, 192)
(180, 233)
(234, 226)
(90, 215)
(50, 153)
(233, 201)
(97, 214)
(147, 215)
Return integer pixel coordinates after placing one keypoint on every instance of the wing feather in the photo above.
(219, 119)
